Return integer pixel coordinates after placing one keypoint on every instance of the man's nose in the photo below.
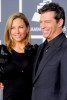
(43, 25)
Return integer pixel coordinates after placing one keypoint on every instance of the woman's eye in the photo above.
(21, 26)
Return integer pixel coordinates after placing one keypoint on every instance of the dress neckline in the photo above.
(13, 51)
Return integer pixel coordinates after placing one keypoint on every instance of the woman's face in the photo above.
(18, 30)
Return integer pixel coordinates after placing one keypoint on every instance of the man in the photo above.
(50, 65)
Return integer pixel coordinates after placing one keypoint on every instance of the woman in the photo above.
(16, 59)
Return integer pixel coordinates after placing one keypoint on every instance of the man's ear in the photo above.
(60, 22)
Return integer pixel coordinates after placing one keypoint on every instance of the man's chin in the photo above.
(45, 36)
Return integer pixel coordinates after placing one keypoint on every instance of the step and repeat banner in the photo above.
(30, 9)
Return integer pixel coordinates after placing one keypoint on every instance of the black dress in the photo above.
(16, 76)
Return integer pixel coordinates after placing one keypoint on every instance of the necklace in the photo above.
(21, 51)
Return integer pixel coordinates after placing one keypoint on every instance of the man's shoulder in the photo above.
(64, 45)
(65, 42)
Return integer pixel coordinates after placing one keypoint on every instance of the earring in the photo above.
(27, 32)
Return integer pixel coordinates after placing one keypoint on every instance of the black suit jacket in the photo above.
(50, 81)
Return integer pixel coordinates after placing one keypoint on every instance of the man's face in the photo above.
(48, 25)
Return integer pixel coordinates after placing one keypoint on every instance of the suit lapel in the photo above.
(46, 58)
(38, 54)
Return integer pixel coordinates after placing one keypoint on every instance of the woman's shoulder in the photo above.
(31, 49)
(2, 46)
(4, 50)
(4, 56)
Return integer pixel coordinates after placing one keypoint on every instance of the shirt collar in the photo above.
(50, 43)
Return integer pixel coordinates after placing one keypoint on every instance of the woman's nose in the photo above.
(17, 30)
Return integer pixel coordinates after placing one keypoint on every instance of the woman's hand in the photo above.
(1, 86)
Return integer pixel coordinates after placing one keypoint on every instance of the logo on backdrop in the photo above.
(36, 16)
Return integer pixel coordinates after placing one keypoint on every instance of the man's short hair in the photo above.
(59, 11)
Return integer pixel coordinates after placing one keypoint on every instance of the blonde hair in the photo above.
(7, 38)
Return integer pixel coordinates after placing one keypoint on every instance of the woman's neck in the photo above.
(19, 47)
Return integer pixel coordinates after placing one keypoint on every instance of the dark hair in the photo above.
(59, 11)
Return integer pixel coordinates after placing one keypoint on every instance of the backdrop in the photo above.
(30, 9)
